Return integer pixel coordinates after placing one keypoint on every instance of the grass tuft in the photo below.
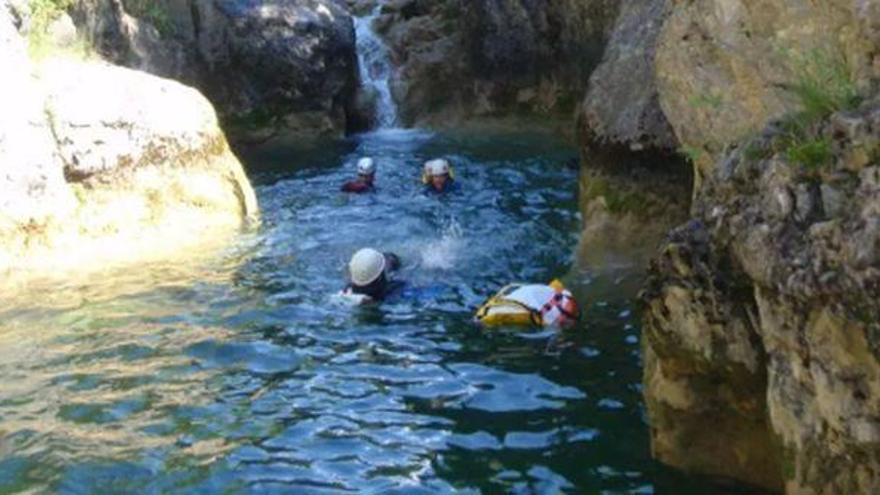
(822, 87)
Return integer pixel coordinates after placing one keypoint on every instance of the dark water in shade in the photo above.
(245, 375)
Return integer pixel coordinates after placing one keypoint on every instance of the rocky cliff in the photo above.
(101, 164)
(726, 67)
(458, 59)
(272, 68)
(761, 321)
(761, 334)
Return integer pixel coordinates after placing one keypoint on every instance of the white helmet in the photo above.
(366, 266)
(439, 166)
(366, 166)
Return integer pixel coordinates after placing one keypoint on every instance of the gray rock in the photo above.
(622, 103)
(270, 67)
(807, 202)
(833, 201)
(32, 187)
(460, 58)
(62, 31)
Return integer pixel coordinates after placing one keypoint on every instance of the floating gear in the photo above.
(535, 305)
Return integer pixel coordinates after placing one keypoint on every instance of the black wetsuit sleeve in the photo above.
(393, 261)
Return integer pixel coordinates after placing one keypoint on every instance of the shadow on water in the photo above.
(242, 373)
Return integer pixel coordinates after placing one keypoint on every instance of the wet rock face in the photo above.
(771, 296)
(622, 105)
(460, 58)
(271, 67)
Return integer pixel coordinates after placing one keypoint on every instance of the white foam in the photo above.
(442, 254)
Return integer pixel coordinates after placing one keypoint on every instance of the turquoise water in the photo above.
(244, 374)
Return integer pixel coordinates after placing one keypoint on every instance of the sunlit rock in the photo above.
(102, 164)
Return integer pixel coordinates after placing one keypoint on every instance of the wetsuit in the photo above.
(448, 187)
(358, 187)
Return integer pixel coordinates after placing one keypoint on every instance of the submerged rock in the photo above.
(271, 67)
(762, 322)
(100, 164)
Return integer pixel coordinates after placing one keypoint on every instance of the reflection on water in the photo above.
(238, 373)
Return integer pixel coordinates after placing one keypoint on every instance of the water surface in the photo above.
(244, 374)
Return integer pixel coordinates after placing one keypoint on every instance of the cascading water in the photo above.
(375, 68)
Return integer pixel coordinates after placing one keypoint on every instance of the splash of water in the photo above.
(374, 64)
(442, 254)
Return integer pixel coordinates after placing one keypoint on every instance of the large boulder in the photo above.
(762, 321)
(461, 58)
(100, 164)
(271, 67)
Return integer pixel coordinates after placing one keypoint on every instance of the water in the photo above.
(243, 374)
(374, 64)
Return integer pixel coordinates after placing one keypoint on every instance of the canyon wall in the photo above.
(761, 321)
(459, 59)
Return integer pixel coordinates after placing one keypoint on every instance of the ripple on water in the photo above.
(240, 375)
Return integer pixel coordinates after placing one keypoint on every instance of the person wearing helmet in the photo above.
(438, 176)
(366, 169)
(369, 274)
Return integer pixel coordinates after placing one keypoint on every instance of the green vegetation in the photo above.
(153, 11)
(812, 154)
(617, 198)
(706, 100)
(756, 150)
(691, 152)
(823, 86)
(43, 13)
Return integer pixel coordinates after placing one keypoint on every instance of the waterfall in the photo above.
(375, 68)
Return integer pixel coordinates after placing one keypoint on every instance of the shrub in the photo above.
(692, 153)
